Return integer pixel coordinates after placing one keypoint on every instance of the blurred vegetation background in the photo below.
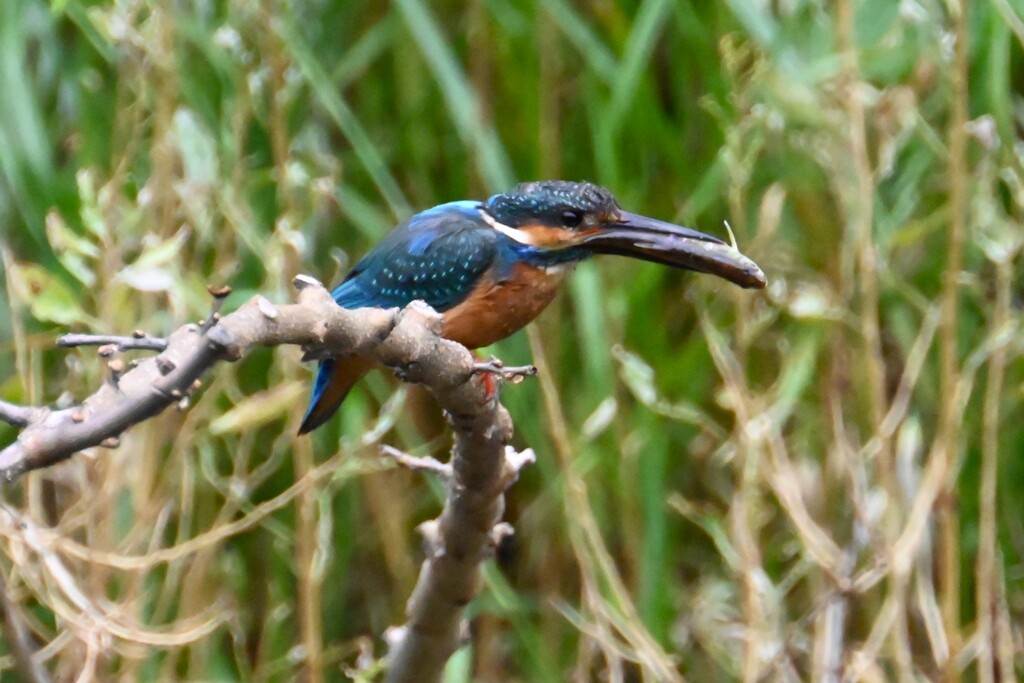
(822, 481)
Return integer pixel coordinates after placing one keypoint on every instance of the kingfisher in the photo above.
(491, 267)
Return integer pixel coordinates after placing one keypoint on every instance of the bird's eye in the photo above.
(571, 219)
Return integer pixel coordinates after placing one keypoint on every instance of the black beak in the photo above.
(629, 234)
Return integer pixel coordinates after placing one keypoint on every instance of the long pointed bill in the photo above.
(673, 245)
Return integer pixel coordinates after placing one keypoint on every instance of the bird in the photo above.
(490, 267)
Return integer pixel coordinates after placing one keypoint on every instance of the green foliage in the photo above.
(730, 485)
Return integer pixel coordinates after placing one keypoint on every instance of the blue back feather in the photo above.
(436, 256)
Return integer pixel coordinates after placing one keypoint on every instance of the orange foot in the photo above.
(487, 379)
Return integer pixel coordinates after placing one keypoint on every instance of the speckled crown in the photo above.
(547, 199)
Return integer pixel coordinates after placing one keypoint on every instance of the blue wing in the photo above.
(437, 256)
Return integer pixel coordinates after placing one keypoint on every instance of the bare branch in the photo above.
(482, 465)
(458, 541)
(156, 383)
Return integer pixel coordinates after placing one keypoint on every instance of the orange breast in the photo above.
(494, 310)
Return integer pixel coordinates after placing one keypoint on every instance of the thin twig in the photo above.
(416, 463)
(512, 373)
(219, 294)
(138, 341)
(17, 416)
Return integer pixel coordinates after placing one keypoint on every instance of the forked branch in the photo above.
(482, 465)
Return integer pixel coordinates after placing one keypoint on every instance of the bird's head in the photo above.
(556, 215)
